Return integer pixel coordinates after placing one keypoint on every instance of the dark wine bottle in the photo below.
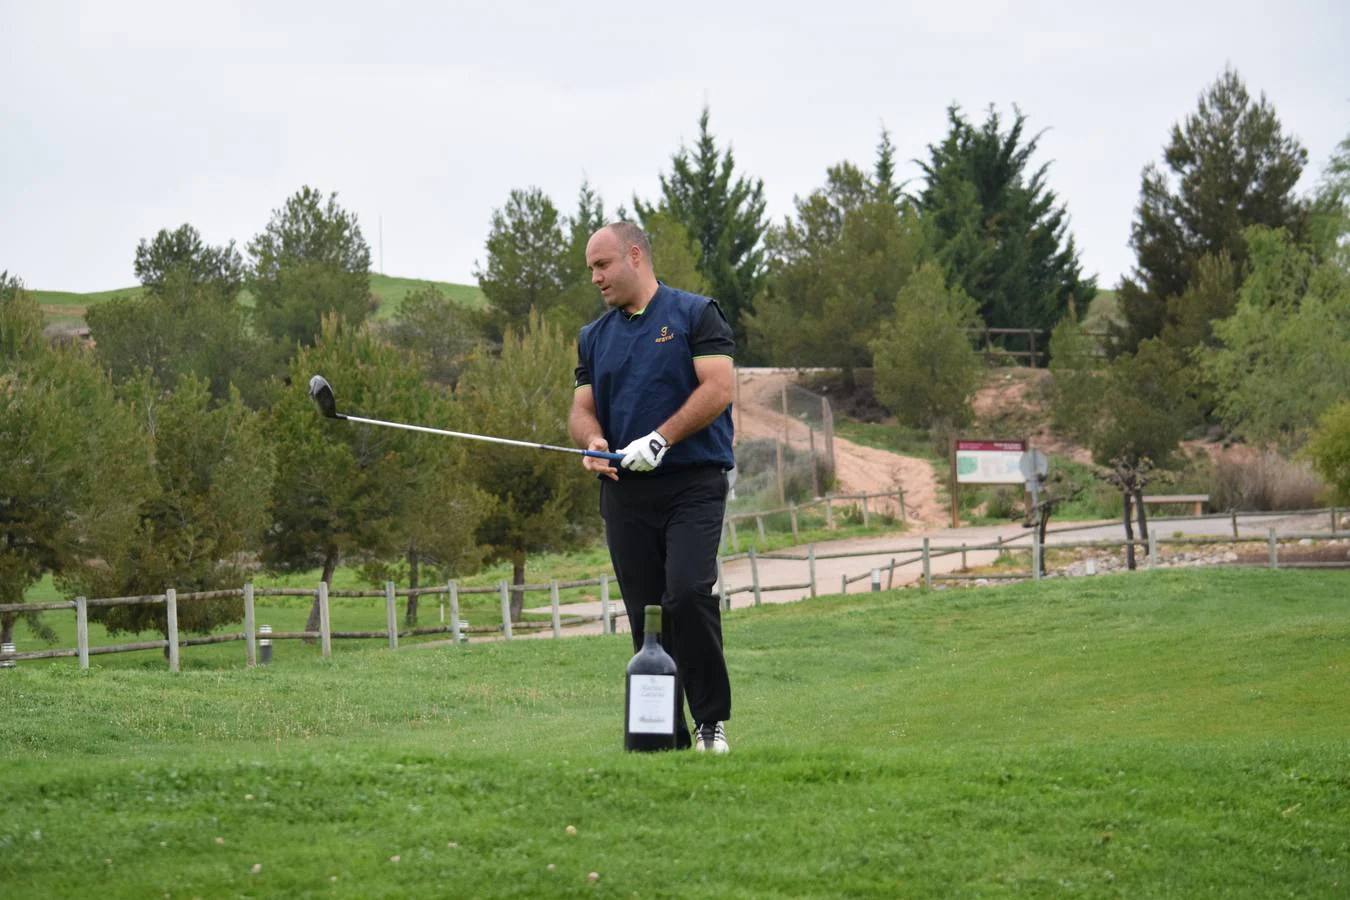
(651, 703)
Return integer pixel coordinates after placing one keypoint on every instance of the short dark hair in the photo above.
(630, 235)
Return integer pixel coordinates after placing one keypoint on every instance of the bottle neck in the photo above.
(651, 626)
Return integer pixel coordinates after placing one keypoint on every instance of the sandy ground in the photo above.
(858, 470)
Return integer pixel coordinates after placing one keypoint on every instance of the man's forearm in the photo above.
(702, 408)
(584, 427)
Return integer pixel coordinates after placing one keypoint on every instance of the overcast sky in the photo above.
(121, 118)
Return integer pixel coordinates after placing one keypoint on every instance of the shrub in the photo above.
(1263, 480)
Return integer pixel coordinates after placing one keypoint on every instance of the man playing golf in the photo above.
(654, 381)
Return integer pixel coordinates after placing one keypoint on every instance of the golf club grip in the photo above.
(603, 454)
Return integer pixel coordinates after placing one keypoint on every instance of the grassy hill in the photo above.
(66, 309)
(1164, 734)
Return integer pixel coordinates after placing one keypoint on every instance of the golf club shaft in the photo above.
(597, 454)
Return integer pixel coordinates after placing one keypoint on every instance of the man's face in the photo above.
(613, 271)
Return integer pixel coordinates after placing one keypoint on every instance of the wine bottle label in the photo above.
(651, 704)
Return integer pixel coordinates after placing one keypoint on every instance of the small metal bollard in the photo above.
(6, 649)
(1090, 567)
(876, 580)
(264, 645)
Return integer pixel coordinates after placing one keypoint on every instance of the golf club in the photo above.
(322, 393)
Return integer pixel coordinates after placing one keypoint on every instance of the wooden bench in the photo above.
(1198, 499)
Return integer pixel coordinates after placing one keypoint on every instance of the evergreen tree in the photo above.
(213, 469)
(182, 251)
(545, 502)
(1229, 166)
(310, 260)
(997, 227)
(724, 214)
(527, 261)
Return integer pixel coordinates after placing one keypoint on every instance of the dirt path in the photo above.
(858, 469)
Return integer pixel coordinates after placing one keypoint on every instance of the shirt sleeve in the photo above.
(583, 372)
(712, 335)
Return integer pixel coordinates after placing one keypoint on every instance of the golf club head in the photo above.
(322, 394)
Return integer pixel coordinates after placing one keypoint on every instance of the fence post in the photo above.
(607, 625)
(453, 588)
(735, 543)
(778, 451)
(1334, 514)
(722, 595)
(554, 602)
(250, 627)
(815, 473)
(325, 621)
(759, 526)
(829, 511)
(792, 511)
(900, 495)
(811, 561)
(506, 610)
(1152, 548)
(867, 520)
(390, 615)
(927, 565)
(843, 584)
(963, 557)
(1235, 531)
(1274, 550)
(82, 630)
(171, 604)
(754, 574)
(1036, 551)
(876, 581)
(890, 578)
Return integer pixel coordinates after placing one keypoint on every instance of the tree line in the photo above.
(182, 450)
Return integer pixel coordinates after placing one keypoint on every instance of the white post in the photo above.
(264, 645)
(453, 587)
(1036, 553)
(7, 648)
(390, 615)
(1274, 551)
(250, 628)
(754, 574)
(557, 613)
(325, 622)
(876, 581)
(811, 561)
(927, 565)
(506, 610)
(607, 624)
(82, 630)
(867, 520)
(171, 603)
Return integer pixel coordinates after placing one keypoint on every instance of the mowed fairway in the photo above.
(1168, 734)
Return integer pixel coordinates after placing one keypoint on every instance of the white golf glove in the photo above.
(645, 453)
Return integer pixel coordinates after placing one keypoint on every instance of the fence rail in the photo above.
(252, 635)
(731, 535)
(459, 630)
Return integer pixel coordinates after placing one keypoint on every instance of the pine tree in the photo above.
(724, 214)
(1229, 166)
(997, 227)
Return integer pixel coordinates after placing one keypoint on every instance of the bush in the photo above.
(1263, 480)
(757, 474)
(1329, 449)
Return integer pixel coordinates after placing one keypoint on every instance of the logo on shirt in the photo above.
(666, 335)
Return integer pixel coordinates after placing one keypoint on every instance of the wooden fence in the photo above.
(924, 556)
(173, 642)
(732, 536)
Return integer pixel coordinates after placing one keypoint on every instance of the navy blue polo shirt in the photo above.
(641, 370)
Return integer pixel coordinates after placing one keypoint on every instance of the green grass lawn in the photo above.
(1166, 734)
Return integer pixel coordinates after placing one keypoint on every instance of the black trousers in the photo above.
(663, 532)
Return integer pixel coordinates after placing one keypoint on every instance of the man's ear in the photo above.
(635, 256)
